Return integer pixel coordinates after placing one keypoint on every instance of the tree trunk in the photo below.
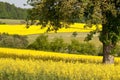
(107, 58)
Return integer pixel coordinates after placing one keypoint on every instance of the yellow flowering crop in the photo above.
(21, 64)
(11, 69)
(42, 55)
(22, 30)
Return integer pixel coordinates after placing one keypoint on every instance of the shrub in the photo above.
(116, 51)
(100, 51)
(58, 45)
(41, 43)
(82, 48)
(13, 41)
(87, 48)
(74, 46)
(74, 34)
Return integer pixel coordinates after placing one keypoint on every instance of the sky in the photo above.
(17, 3)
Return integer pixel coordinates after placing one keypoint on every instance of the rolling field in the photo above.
(20, 64)
(22, 30)
(34, 31)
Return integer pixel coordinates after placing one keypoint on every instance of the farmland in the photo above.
(21, 64)
(22, 30)
(24, 64)
(54, 45)
(34, 31)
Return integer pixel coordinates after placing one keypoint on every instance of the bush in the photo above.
(74, 46)
(82, 48)
(41, 43)
(13, 41)
(100, 51)
(87, 48)
(74, 34)
(116, 51)
(58, 45)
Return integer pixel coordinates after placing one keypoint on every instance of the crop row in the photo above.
(22, 30)
(11, 69)
(42, 55)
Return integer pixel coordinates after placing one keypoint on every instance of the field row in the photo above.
(21, 64)
(22, 30)
(48, 70)
(42, 55)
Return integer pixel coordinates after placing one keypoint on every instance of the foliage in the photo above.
(74, 46)
(58, 45)
(13, 41)
(74, 34)
(84, 48)
(8, 11)
(116, 51)
(53, 12)
(88, 48)
(41, 43)
(59, 12)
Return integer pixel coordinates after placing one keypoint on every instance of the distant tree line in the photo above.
(10, 11)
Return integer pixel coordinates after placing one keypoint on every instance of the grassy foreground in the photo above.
(20, 64)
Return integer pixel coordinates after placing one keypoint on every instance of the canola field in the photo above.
(21, 64)
(22, 30)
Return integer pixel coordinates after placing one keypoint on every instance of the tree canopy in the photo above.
(61, 13)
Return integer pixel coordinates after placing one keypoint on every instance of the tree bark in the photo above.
(107, 58)
(108, 45)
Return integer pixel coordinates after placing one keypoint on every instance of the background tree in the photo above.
(61, 13)
(8, 11)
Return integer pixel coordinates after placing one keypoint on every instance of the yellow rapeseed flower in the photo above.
(22, 30)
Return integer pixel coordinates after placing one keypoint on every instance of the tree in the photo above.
(61, 13)
(10, 11)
